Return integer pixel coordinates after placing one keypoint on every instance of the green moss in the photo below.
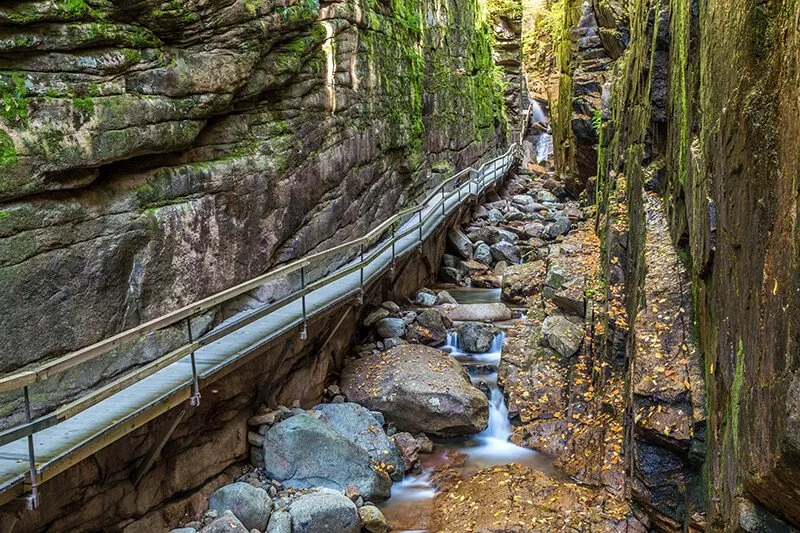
(736, 396)
(505, 8)
(8, 154)
(84, 104)
(14, 94)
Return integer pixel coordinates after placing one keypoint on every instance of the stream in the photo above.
(411, 505)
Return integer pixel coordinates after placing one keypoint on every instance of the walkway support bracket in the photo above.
(161, 439)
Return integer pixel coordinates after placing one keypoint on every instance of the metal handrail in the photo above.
(42, 373)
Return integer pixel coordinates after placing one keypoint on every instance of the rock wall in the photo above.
(152, 153)
(701, 134)
(506, 17)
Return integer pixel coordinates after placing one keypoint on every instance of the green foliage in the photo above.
(504, 8)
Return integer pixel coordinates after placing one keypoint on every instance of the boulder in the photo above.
(562, 335)
(522, 199)
(505, 251)
(249, 504)
(363, 428)
(495, 216)
(475, 337)
(390, 327)
(459, 243)
(391, 307)
(409, 448)
(443, 297)
(304, 452)
(492, 235)
(391, 342)
(225, 523)
(482, 253)
(479, 312)
(534, 230)
(523, 281)
(373, 519)
(546, 197)
(560, 226)
(324, 510)
(428, 328)
(374, 316)
(425, 299)
(452, 275)
(417, 388)
(279, 522)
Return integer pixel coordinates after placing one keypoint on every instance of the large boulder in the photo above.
(475, 337)
(324, 511)
(251, 505)
(304, 452)
(360, 426)
(459, 243)
(418, 389)
(562, 335)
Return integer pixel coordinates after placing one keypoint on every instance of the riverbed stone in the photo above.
(374, 316)
(505, 251)
(495, 216)
(444, 297)
(373, 520)
(522, 199)
(280, 522)
(390, 327)
(562, 335)
(225, 523)
(249, 504)
(492, 235)
(459, 243)
(360, 426)
(475, 337)
(324, 510)
(560, 226)
(418, 388)
(493, 312)
(482, 253)
(409, 448)
(425, 299)
(523, 281)
(304, 452)
(428, 328)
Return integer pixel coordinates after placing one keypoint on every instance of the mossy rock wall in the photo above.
(152, 153)
(724, 160)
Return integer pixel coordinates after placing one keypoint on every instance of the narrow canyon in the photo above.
(348, 266)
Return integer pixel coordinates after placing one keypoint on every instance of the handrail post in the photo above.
(362, 266)
(443, 202)
(304, 331)
(194, 399)
(34, 500)
(420, 227)
(394, 253)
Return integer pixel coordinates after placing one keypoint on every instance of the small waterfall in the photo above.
(543, 142)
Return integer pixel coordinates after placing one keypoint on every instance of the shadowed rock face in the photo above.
(152, 155)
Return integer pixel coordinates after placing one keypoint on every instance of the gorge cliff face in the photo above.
(154, 152)
(696, 140)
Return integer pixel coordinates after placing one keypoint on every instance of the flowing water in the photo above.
(410, 507)
(542, 143)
